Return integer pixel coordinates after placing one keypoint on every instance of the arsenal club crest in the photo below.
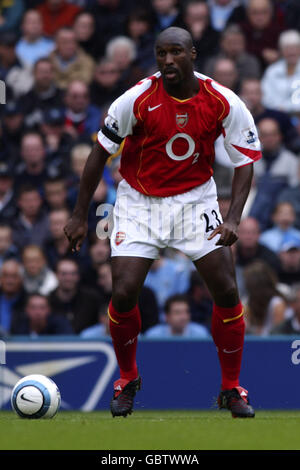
(120, 236)
(182, 119)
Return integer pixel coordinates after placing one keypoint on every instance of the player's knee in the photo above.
(124, 297)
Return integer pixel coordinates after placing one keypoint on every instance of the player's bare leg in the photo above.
(128, 275)
(228, 327)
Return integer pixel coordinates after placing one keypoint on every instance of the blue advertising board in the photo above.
(177, 374)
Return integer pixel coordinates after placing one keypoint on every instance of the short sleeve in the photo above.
(240, 134)
(118, 123)
(120, 119)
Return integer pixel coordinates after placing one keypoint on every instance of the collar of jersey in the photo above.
(182, 101)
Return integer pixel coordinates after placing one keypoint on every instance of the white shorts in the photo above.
(142, 225)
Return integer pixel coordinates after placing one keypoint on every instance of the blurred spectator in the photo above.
(33, 169)
(281, 81)
(239, 14)
(7, 199)
(104, 194)
(261, 31)
(110, 17)
(249, 249)
(101, 329)
(225, 72)
(11, 132)
(178, 321)
(206, 39)
(78, 304)
(57, 14)
(166, 277)
(55, 193)
(220, 12)
(15, 75)
(122, 52)
(7, 249)
(70, 62)
(277, 161)
(33, 45)
(31, 226)
(82, 119)
(284, 220)
(10, 15)
(265, 307)
(291, 326)
(292, 195)
(292, 14)
(58, 142)
(251, 94)
(12, 295)
(87, 36)
(166, 14)
(105, 87)
(289, 255)
(139, 29)
(39, 320)
(57, 246)
(99, 253)
(200, 300)
(57, 217)
(79, 156)
(273, 173)
(38, 277)
(43, 96)
(104, 281)
(232, 46)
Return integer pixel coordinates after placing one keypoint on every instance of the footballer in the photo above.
(168, 124)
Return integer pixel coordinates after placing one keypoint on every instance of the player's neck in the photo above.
(185, 90)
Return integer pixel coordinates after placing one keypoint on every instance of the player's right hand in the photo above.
(75, 231)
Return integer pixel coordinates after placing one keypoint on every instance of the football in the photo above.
(35, 396)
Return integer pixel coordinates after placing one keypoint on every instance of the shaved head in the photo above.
(175, 57)
(175, 35)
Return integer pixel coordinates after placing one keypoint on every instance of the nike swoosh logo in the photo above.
(154, 107)
(230, 352)
(26, 399)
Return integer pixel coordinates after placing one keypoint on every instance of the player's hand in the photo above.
(228, 232)
(75, 231)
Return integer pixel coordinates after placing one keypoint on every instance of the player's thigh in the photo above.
(128, 276)
(218, 271)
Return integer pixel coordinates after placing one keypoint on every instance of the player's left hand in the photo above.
(228, 232)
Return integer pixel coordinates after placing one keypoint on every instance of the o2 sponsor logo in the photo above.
(189, 152)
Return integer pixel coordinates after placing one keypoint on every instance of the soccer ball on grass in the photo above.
(35, 396)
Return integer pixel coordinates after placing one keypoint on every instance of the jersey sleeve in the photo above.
(121, 118)
(240, 134)
(118, 123)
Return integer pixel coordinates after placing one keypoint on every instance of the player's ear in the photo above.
(193, 53)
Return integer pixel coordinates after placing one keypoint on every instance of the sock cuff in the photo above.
(228, 314)
(117, 317)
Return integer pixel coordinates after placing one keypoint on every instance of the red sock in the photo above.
(228, 329)
(124, 329)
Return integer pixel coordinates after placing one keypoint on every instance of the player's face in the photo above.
(174, 61)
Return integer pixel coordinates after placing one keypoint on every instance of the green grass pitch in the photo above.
(152, 430)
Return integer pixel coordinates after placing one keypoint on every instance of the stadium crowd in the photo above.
(63, 63)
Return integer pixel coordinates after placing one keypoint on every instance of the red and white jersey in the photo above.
(169, 143)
